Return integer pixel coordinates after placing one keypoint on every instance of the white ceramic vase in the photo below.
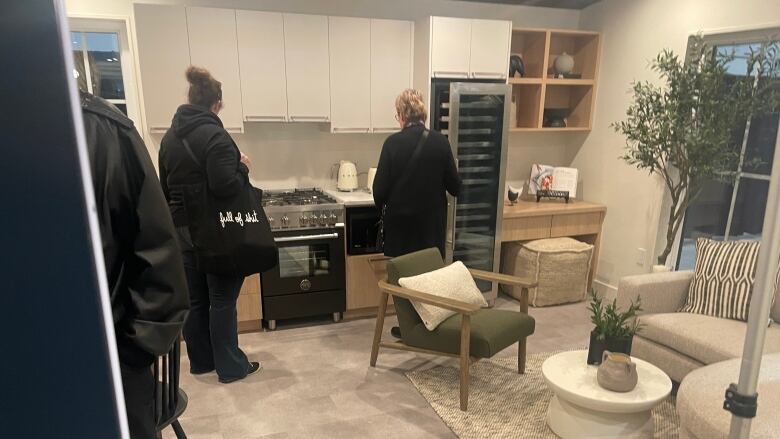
(564, 63)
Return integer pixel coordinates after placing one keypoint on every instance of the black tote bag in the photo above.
(231, 235)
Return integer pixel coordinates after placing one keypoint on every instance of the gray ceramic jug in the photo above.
(617, 372)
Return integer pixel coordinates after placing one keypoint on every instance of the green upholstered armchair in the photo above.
(471, 334)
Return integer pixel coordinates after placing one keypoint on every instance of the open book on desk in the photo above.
(545, 177)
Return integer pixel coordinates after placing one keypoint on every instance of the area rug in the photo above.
(505, 404)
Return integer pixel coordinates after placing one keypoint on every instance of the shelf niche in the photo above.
(538, 90)
(531, 45)
(574, 101)
(583, 48)
(526, 100)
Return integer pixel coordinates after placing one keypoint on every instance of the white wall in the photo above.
(633, 33)
(286, 155)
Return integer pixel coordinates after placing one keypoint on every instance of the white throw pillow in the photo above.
(454, 282)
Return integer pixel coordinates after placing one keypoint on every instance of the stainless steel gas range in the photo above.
(310, 280)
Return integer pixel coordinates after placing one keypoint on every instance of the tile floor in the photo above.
(316, 382)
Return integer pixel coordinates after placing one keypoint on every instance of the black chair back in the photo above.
(170, 401)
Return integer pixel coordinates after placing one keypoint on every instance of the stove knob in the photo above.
(302, 220)
(285, 221)
(271, 221)
(333, 218)
(323, 219)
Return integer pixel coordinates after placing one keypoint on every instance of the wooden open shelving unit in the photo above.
(539, 90)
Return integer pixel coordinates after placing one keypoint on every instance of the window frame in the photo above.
(725, 38)
(120, 26)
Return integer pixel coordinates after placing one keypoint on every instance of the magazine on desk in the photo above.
(545, 177)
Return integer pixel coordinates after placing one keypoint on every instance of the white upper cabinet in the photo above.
(450, 47)
(466, 48)
(490, 49)
(261, 58)
(350, 74)
(391, 70)
(163, 54)
(306, 58)
(213, 45)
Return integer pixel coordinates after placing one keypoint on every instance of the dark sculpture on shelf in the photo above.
(516, 65)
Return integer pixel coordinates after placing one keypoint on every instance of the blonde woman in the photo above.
(416, 169)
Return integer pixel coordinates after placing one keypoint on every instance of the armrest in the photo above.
(441, 302)
(660, 292)
(505, 279)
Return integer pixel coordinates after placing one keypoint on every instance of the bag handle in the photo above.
(190, 153)
(411, 166)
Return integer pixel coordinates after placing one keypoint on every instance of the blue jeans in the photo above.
(211, 328)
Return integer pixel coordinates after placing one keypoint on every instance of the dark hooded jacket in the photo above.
(218, 158)
(149, 298)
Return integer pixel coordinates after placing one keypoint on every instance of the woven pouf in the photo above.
(560, 266)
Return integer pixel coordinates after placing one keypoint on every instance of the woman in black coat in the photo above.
(416, 213)
(211, 329)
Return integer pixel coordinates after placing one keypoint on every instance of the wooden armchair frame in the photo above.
(466, 310)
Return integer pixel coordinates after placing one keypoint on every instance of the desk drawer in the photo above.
(526, 228)
(576, 224)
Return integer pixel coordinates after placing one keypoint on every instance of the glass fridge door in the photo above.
(478, 120)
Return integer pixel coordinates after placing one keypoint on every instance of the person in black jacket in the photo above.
(142, 258)
(211, 329)
(416, 214)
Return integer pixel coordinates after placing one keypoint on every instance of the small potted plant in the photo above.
(613, 330)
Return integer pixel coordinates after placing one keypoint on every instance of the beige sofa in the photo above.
(701, 395)
(677, 342)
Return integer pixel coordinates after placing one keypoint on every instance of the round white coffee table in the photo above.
(582, 409)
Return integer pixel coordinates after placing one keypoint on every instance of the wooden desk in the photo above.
(529, 220)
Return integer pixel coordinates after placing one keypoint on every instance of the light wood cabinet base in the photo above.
(250, 326)
(362, 313)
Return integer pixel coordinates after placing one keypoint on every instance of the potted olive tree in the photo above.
(683, 129)
(613, 330)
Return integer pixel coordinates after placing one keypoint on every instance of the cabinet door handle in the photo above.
(487, 75)
(158, 129)
(265, 118)
(237, 130)
(385, 130)
(350, 130)
(309, 118)
(444, 73)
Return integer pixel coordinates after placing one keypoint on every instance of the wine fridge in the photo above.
(477, 120)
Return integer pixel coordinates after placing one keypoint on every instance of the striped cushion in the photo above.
(723, 279)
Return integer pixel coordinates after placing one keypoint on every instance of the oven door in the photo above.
(309, 260)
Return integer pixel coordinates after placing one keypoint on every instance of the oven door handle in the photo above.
(306, 237)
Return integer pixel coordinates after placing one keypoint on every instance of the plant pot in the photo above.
(597, 347)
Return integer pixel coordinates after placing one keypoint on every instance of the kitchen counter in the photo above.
(359, 197)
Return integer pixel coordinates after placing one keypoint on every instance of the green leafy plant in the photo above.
(688, 130)
(609, 322)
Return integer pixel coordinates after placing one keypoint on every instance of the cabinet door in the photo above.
(450, 47)
(363, 275)
(490, 49)
(261, 61)
(213, 45)
(308, 77)
(391, 70)
(162, 64)
(350, 74)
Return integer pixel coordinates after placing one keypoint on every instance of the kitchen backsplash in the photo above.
(303, 155)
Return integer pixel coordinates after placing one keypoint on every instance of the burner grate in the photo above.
(296, 197)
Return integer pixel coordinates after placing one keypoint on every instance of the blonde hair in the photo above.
(410, 106)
